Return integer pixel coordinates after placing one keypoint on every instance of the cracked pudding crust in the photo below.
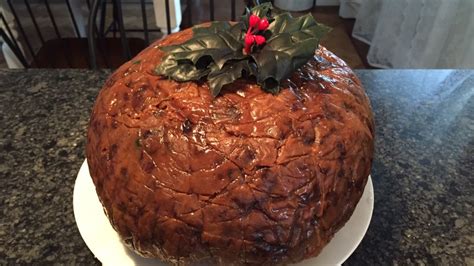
(244, 178)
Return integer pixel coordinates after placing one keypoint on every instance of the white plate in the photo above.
(106, 245)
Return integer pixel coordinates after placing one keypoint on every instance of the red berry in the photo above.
(254, 20)
(249, 39)
(263, 24)
(259, 39)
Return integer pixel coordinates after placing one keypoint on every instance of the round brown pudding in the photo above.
(247, 177)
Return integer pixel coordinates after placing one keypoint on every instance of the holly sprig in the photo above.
(261, 46)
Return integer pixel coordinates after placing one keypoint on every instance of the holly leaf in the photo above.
(231, 71)
(216, 45)
(210, 46)
(262, 10)
(237, 30)
(216, 51)
(183, 71)
(300, 28)
(292, 43)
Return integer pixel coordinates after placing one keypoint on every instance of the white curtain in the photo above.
(414, 33)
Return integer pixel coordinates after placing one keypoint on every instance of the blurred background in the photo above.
(106, 33)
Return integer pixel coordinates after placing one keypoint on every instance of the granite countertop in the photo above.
(422, 173)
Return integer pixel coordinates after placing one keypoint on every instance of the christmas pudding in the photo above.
(232, 143)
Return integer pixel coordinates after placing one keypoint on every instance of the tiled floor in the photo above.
(338, 40)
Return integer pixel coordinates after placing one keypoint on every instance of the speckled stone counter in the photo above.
(423, 171)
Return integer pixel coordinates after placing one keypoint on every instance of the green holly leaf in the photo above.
(231, 71)
(190, 60)
(238, 31)
(216, 51)
(182, 71)
(292, 43)
(262, 10)
(300, 28)
(217, 45)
